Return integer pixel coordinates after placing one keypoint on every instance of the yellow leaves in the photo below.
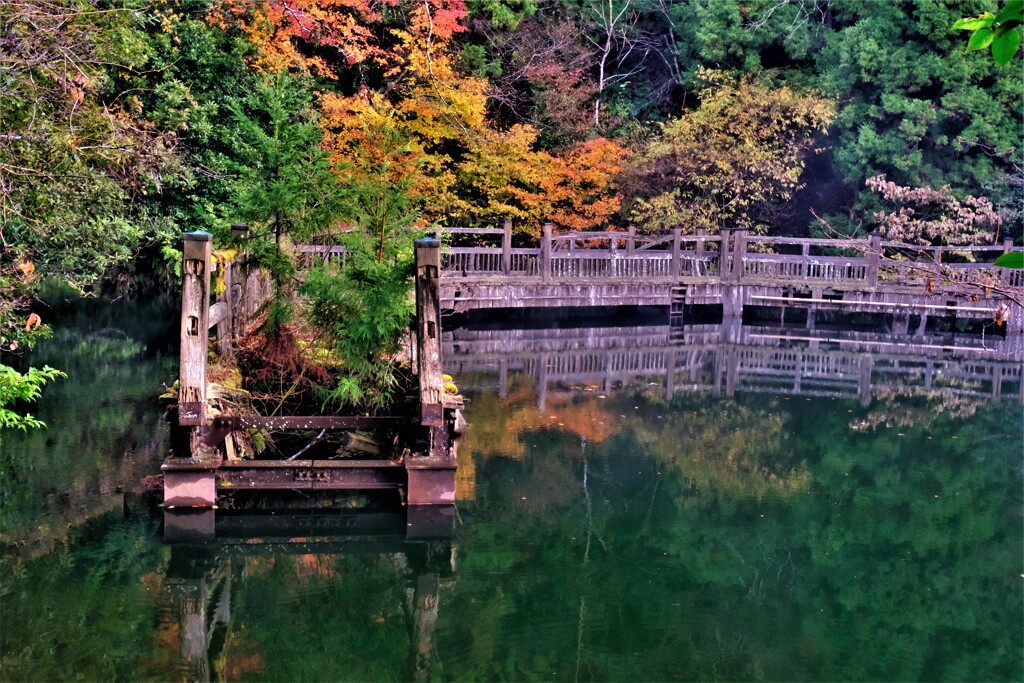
(222, 258)
(504, 176)
(27, 269)
(724, 163)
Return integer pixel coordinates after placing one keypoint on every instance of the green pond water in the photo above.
(610, 535)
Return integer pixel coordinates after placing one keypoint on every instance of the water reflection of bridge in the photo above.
(726, 360)
(208, 552)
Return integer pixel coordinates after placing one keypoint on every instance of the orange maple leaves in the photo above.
(424, 124)
(505, 175)
(312, 35)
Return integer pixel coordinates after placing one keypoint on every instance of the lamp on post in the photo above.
(240, 230)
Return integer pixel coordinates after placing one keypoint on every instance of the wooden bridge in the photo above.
(733, 270)
(716, 360)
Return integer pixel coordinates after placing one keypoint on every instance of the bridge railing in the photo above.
(733, 255)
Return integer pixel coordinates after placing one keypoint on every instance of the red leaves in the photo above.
(282, 28)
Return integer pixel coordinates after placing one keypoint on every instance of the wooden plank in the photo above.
(321, 464)
(346, 422)
(218, 313)
(467, 231)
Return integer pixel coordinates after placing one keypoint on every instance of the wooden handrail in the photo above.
(615, 255)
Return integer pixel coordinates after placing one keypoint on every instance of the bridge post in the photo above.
(677, 249)
(545, 252)
(195, 335)
(724, 259)
(542, 382)
(631, 240)
(874, 257)
(670, 374)
(430, 480)
(506, 247)
(700, 247)
(1007, 245)
(503, 378)
(739, 253)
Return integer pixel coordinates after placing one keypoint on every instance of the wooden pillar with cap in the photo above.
(195, 315)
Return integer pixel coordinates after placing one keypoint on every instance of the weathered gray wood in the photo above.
(195, 305)
(341, 422)
(677, 248)
(545, 252)
(506, 247)
(226, 328)
(428, 331)
(353, 442)
(874, 255)
(739, 253)
(218, 314)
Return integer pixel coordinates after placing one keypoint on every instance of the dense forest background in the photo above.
(124, 123)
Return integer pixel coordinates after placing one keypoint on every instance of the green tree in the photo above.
(284, 186)
(75, 159)
(17, 387)
(917, 109)
(365, 306)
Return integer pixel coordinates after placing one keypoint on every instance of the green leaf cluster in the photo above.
(14, 387)
(998, 31)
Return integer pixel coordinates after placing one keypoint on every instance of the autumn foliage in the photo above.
(312, 35)
(922, 215)
(731, 160)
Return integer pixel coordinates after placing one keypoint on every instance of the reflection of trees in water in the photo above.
(84, 610)
(911, 406)
(870, 555)
(725, 448)
(106, 431)
(498, 423)
(330, 615)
